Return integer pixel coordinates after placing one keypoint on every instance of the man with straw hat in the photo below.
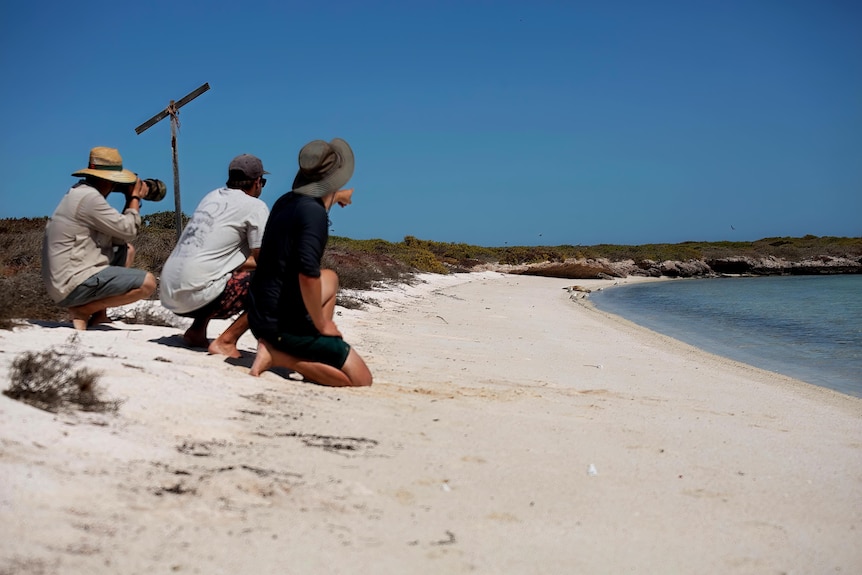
(292, 300)
(86, 257)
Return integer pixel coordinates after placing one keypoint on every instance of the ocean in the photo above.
(806, 327)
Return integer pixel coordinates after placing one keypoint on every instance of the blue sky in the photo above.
(489, 123)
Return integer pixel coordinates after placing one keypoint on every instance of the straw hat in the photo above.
(323, 168)
(107, 164)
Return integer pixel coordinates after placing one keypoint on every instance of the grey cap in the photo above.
(245, 167)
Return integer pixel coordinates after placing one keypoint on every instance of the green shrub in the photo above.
(361, 264)
(163, 221)
(152, 248)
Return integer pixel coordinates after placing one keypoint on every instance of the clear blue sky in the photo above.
(490, 123)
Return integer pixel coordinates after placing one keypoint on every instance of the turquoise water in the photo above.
(806, 327)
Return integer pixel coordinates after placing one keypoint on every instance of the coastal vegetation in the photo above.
(362, 264)
(51, 380)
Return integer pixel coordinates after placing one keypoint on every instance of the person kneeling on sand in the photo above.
(291, 299)
(208, 274)
(86, 254)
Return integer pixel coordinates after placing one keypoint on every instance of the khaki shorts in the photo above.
(108, 282)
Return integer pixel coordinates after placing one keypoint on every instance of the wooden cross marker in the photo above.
(173, 110)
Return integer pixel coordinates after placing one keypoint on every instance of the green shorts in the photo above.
(326, 349)
(107, 282)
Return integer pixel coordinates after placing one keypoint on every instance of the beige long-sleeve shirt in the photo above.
(80, 236)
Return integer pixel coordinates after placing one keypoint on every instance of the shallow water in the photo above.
(806, 327)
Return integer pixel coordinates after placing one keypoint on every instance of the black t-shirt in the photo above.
(293, 242)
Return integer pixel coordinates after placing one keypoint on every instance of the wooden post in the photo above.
(178, 208)
(173, 111)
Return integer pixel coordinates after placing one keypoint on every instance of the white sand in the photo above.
(469, 454)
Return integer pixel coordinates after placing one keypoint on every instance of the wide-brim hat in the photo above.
(324, 167)
(107, 164)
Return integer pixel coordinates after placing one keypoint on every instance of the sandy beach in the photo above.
(510, 429)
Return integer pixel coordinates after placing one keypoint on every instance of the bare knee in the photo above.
(356, 370)
(363, 380)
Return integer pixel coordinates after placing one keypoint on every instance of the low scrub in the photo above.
(364, 264)
(51, 380)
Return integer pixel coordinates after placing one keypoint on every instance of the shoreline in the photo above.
(838, 382)
(672, 342)
(491, 441)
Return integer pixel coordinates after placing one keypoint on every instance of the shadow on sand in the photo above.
(175, 340)
(247, 360)
(68, 324)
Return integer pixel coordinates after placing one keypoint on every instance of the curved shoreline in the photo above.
(715, 343)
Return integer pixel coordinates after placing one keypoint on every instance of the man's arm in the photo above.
(312, 297)
(255, 225)
(95, 212)
(343, 197)
(251, 262)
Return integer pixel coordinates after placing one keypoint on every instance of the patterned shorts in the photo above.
(230, 302)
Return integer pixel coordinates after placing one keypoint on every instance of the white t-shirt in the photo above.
(219, 237)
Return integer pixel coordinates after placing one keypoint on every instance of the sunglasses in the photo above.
(262, 182)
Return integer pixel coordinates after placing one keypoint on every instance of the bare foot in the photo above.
(79, 318)
(263, 359)
(195, 339)
(218, 347)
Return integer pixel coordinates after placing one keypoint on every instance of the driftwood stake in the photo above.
(173, 110)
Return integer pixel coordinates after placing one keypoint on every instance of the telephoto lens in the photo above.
(155, 190)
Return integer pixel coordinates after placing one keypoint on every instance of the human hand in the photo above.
(137, 190)
(344, 197)
(249, 264)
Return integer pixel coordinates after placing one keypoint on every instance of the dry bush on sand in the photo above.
(23, 295)
(48, 380)
(569, 271)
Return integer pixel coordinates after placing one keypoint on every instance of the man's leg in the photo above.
(355, 373)
(231, 302)
(356, 370)
(124, 257)
(82, 314)
(130, 255)
(225, 344)
(329, 291)
(196, 335)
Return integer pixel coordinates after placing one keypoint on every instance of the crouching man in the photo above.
(208, 273)
(86, 254)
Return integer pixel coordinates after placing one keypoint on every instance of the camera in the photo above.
(156, 189)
